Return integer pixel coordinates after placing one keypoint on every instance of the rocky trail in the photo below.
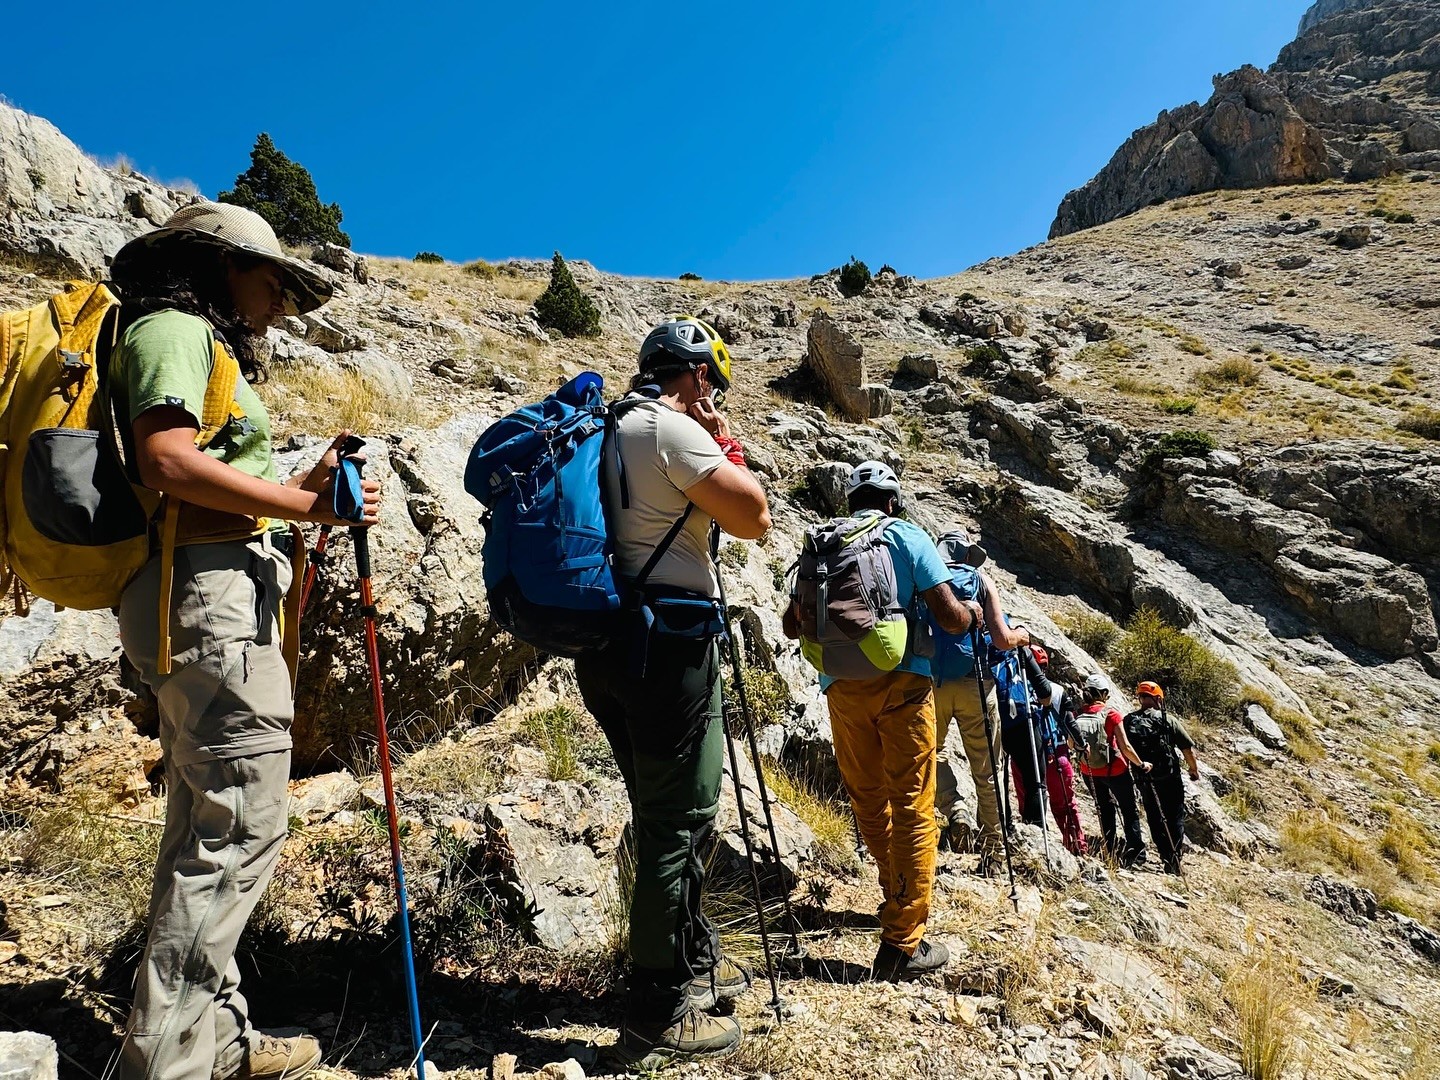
(1209, 419)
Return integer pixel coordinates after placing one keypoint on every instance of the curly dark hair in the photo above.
(189, 276)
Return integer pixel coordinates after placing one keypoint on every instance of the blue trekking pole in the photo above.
(349, 505)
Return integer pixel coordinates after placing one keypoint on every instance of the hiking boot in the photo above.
(270, 1057)
(696, 1035)
(892, 965)
(726, 981)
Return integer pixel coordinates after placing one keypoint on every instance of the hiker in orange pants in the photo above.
(884, 724)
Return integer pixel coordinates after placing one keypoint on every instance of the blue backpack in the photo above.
(1017, 702)
(549, 552)
(955, 655)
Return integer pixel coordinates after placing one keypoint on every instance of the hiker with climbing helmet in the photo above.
(1104, 754)
(203, 623)
(673, 470)
(1059, 772)
(1025, 743)
(883, 719)
(957, 698)
(1158, 737)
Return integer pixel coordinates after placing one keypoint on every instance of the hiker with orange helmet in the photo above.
(1156, 737)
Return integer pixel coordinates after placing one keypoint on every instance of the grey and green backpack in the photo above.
(852, 624)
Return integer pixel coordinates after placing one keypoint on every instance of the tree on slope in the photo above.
(562, 306)
(283, 193)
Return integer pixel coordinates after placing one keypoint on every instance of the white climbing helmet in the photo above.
(873, 474)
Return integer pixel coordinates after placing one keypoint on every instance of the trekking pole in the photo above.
(754, 876)
(1039, 774)
(975, 642)
(748, 717)
(360, 537)
(312, 569)
(351, 445)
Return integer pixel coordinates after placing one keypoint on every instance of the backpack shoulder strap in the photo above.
(661, 548)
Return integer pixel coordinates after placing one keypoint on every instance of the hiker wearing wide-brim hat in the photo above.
(203, 623)
(958, 698)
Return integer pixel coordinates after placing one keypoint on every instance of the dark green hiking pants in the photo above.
(667, 736)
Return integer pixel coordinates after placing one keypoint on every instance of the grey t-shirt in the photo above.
(665, 452)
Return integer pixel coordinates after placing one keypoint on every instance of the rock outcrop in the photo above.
(60, 208)
(1353, 97)
(838, 362)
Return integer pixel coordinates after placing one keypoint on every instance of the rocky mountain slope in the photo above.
(1064, 400)
(1353, 97)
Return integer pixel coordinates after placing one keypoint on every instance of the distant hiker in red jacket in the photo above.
(1104, 753)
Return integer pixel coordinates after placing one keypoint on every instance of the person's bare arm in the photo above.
(317, 477)
(167, 460)
(734, 498)
(1191, 763)
(954, 615)
(790, 621)
(1005, 637)
(1128, 751)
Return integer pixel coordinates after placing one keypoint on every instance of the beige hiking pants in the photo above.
(959, 700)
(225, 714)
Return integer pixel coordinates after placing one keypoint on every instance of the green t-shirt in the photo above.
(166, 359)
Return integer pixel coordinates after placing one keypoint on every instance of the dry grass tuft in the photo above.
(88, 848)
(1233, 371)
(828, 817)
(555, 732)
(1268, 996)
(1421, 420)
(326, 398)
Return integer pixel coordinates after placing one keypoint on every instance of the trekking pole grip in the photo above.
(360, 537)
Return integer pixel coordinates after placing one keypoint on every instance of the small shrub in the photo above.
(1255, 348)
(854, 277)
(1096, 634)
(1233, 371)
(563, 307)
(1286, 216)
(1421, 420)
(968, 297)
(1178, 406)
(1197, 682)
(427, 257)
(37, 178)
(1401, 380)
(1345, 373)
(766, 691)
(1176, 444)
(1400, 217)
(984, 355)
(481, 269)
(688, 276)
(555, 733)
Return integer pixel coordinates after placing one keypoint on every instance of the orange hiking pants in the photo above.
(884, 731)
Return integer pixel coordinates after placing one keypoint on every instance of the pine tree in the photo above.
(562, 306)
(283, 193)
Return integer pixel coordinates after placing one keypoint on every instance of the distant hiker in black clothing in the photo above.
(1157, 737)
(1104, 751)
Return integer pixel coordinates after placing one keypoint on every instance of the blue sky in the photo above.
(734, 140)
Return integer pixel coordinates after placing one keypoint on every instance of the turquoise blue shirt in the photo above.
(918, 568)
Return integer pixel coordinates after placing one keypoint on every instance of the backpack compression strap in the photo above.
(218, 409)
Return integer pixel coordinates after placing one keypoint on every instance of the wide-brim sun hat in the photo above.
(957, 549)
(232, 228)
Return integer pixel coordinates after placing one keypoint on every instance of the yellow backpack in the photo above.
(73, 529)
